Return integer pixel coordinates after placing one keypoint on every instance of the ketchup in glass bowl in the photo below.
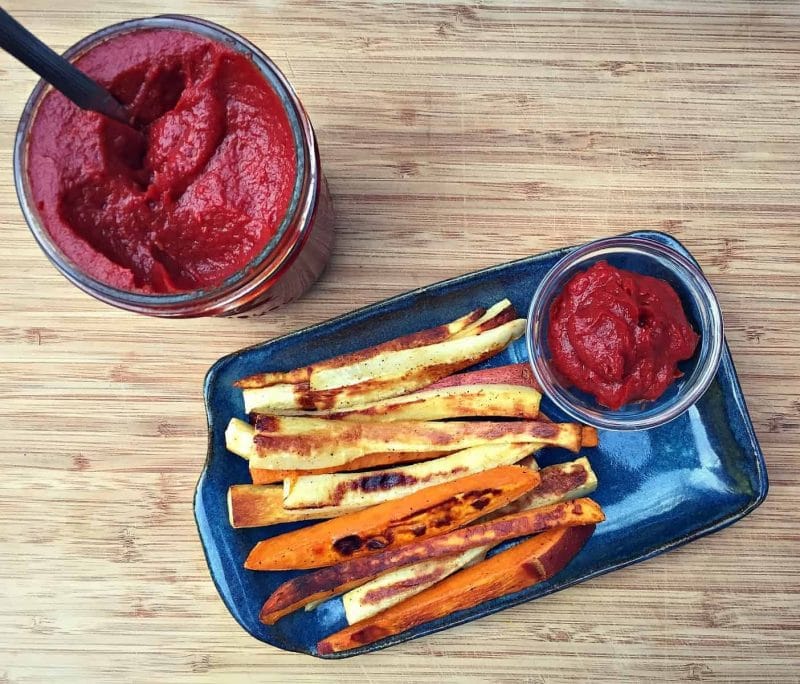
(624, 333)
(216, 206)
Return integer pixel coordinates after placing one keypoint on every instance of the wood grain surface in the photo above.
(454, 136)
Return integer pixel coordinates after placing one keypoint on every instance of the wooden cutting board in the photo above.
(454, 136)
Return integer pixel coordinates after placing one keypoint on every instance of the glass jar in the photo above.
(289, 264)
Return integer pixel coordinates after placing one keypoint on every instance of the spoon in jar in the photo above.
(58, 72)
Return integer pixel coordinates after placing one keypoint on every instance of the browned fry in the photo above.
(340, 442)
(330, 581)
(416, 339)
(512, 570)
(377, 486)
(512, 374)
(261, 476)
(461, 401)
(502, 312)
(260, 505)
(559, 483)
(589, 436)
(426, 513)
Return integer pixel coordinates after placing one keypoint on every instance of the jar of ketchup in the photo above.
(213, 204)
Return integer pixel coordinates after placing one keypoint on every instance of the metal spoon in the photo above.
(57, 71)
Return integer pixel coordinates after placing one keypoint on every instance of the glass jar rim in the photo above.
(301, 203)
(712, 335)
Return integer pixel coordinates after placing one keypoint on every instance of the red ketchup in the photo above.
(195, 198)
(619, 335)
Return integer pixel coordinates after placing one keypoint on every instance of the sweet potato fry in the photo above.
(387, 459)
(512, 374)
(428, 512)
(588, 436)
(340, 442)
(559, 483)
(416, 339)
(526, 564)
(462, 401)
(376, 486)
(379, 594)
(349, 574)
(262, 505)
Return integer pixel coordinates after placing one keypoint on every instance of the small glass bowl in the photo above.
(646, 257)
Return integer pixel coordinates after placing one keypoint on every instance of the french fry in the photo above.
(463, 401)
(262, 505)
(511, 374)
(376, 486)
(416, 339)
(278, 397)
(387, 374)
(522, 566)
(239, 438)
(497, 314)
(293, 425)
(340, 442)
(589, 436)
(261, 476)
(349, 574)
(560, 482)
(379, 594)
(396, 365)
(428, 512)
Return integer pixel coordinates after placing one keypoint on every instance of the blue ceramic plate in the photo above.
(659, 488)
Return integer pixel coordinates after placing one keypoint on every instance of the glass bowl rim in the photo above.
(705, 300)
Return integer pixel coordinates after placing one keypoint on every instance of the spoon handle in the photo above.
(53, 68)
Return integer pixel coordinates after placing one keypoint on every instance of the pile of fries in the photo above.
(417, 471)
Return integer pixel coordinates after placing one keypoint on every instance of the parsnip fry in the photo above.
(262, 505)
(340, 442)
(416, 339)
(511, 374)
(387, 459)
(463, 401)
(560, 482)
(279, 397)
(428, 512)
(379, 594)
(259, 506)
(396, 365)
(526, 564)
(389, 374)
(376, 486)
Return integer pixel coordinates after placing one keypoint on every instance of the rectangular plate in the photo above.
(659, 488)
